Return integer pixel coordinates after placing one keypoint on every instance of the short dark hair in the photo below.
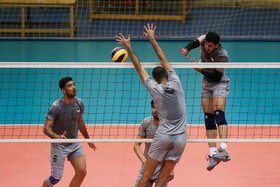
(159, 73)
(152, 103)
(63, 81)
(212, 37)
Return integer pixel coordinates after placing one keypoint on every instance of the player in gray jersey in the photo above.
(148, 130)
(64, 119)
(166, 90)
(214, 92)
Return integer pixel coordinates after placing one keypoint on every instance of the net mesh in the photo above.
(116, 101)
(103, 19)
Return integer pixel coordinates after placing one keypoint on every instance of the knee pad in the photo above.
(209, 121)
(56, 175)
(220, 117)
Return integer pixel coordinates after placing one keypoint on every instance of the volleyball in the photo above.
(119, 54)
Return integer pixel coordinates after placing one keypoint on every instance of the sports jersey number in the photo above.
(54, 158)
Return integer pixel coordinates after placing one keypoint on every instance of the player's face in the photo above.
(210, 46)
(154, 111)
(70, 89)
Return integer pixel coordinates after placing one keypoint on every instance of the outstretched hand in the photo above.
(122, 40)
(193, 60)
(150, 31)
(92, 146)
(185, 52)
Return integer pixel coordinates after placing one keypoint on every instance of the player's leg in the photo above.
(175, 149)
(211, 128)
(219, 103)
(79, 165)
(150, 167)
(57, 165)
(151, 181)
(166, 169)
(78, 161)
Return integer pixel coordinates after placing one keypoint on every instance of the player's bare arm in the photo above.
(83, 130)
(135, 61)
(47, 129)
(138, 151)
(150, 34)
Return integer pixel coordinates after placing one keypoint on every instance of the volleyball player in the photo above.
(64, 118)
(215, 89)
(166, 90)
(148, 129)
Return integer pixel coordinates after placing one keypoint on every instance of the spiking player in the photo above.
(148, 130)
(214, 92)
(64, 118)
(166, 90)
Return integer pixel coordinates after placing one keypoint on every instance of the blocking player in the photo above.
(64, 118)
(214, 92)
(148, 129)
(167, 93)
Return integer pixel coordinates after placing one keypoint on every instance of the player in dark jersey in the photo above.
(166, 90)
(214, 92)
(64, 119)
(148, 130)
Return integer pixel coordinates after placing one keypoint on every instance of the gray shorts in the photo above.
(153, 179)
(209, 90)
(168, 147)
(60, 151)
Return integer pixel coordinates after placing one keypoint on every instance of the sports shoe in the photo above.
(222, 156)
(212, 163)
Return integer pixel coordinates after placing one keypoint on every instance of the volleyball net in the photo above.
(103, 19)
(116, 101)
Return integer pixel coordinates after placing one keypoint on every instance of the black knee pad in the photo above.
(210, 121)
(220, 117)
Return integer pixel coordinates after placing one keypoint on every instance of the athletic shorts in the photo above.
(60, 151)
(168, 147)
(153, 179)
(215, 89)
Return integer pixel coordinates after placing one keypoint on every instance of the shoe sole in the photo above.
(221, 159)
(210, 168)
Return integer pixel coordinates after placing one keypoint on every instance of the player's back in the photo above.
(170, 104)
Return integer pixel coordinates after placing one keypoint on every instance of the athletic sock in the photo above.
(223, 145)
(213, 151)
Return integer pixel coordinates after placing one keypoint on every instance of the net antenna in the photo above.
(116, 101)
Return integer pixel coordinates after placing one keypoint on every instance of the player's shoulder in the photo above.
(147, 121)
(78, 100)
(57, 102)
(222, 51)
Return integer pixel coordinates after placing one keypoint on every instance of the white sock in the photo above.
(223, 145)
(212, 151)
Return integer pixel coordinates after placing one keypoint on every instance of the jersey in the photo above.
(170, 103)
(65, 117)
(217, 55)
(147, 130)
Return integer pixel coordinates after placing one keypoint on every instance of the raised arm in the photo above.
(150, 34)
(193, 44)
(135, 61)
